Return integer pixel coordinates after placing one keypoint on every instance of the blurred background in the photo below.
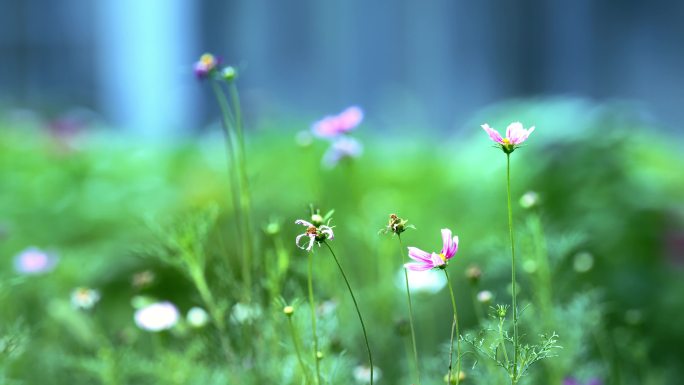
(112, 159)
(429, 65)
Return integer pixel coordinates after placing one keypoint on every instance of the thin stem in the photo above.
(356, 305)
(410, 307)
(502, 341)
(313, 318)
(236, 192)
(514, 378)
(458, 340)
(295, 342)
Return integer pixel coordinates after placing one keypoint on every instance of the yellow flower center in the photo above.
(506, 141)
(207, 59)
(441, 255)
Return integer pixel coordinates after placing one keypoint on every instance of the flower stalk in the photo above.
(312, 305)
(454, 327)
(410, 309)
(514, 378)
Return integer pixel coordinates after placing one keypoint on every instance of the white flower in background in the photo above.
(84, 298)
(243, 313)
(429, 281)
(529, 200)
(197, 317)
(485, 296)
(362, 374)
(157, 316)
(34, 261)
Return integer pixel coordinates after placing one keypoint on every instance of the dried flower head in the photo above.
(515, 136)
(316, 231)
(396, 225)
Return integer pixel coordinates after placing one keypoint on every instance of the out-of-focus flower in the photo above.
(461, 377)
(314, 233)
(421, 281)
(473, 273)
(157, 316)
(362, 374)
(245, 313)
(197, 317)
(427, 261)
(327, 308)
(288, 310)
(205, 65)
(515, 136)
(574, 381)
(34, 261)
(342, 148)
(142, 279)
(485, 297)
(84, 298)
(229, 73)
(529, 200)
(583, 262)
(336, 125)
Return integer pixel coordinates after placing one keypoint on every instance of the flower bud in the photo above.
(529, 200)
(316, 219)
(319, 355)
(461, 377)
(288, 310)
(197, 317)
(229, 73)
(485, 297)
(473, 274)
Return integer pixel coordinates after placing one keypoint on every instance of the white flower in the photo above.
(157, 316)
(485, 296)
(84, 298)
(529, 200)
(34, 261)
(429, 281)
(197, 317)
(362, 374)
(243, 313)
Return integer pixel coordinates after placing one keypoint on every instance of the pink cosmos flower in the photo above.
(34, 261)
(336, 125)
(342, 148)
(315, 234)
(205, 65)
(515, 136)
(427, 261)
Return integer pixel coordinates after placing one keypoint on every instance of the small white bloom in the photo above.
(157, 316)
(197, 317)
(362, 374)
(529, 200)
(84, 298)
(485, 296)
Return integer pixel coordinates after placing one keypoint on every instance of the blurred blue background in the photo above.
(408, 63)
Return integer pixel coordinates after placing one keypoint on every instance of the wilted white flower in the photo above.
(157, 316)
(34, 261)
(197, 317)
(84, 298)
(362, 374)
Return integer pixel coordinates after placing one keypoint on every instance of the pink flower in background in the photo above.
(516, 134)
(34, 261)
(336, 125)
(427, 261)
(157, 316)
(315, 234)
(340, 149)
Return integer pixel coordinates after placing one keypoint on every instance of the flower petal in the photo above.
(303, 222)
(298, 238)
(514, 131)
(349, 119)
(419, 255)
(493, 134)
(524, 136)
(418, 266)
(312, 238)
(327, 230)
(437, 260)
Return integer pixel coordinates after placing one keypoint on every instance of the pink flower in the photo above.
(336, 125)
(342, 148)
(205, 65)
(515, 136)
(34, 261)
(315, 234)
(427, 261)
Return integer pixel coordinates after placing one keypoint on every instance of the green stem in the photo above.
(458, 340)
(313, 318)
(214, 311)
(236, 191)
(502, 341)
(410, 307)
(295, 342)
(514, 378)
(356, 305)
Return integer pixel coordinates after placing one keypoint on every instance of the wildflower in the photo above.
(336, 125)
(197, 317)
(288, 310)
(362, 374)
(473, 273)
(396, 225)
(157, 316)
(205, 65)
(34, 261)
(427, 261)
(142, 279)
(229, 73)
(515, 136)
(485, 297)
(84, 298)
(342, 148)
(315, 234)
(244, 313)
(529, 200)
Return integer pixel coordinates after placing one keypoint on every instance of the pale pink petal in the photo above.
(493, 134)
(514, 131)
(303, 222)
(349, 119)
(418, 255)
(437, 260)
(524, 136)
(454, 248)
(446, 241)
(326, 127)
(418, 266)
